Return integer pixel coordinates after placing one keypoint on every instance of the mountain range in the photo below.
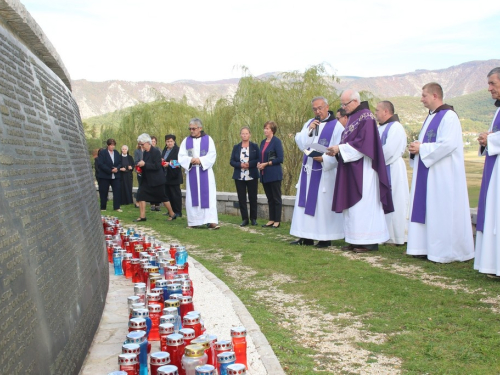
(98, 98)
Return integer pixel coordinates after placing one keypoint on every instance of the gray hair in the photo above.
(196, 121)
(354, 95)
(494, 71)
(144, 138)
(125, 146)
(319, 98)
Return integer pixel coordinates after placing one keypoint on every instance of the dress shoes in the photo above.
(254, 222)
(244, 223)
(423, 257)
(361, 250)
(276, 226)
(347, 248)
(303, 242)
(321, 244)
(140, 219)
(267, 225)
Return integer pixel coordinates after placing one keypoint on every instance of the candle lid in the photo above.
(167, 370)
(131, 348)
(225, 345)
(238, 331)
(140, 313)
(127, 359)
(190, 319)
(166, 328)
(172, 303)
(236, 369)
(137, 323)
(194, 351)
(186, 299)
(188, 333)
(161, 283)
(201, 341)
(154, 297)
(154, 308)
(226, 357)
(159, 358)
(205, 370)
(167, 319)
(175, 339)
(136, 337)
(170, 311)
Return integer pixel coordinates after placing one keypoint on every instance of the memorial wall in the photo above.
(53, 270)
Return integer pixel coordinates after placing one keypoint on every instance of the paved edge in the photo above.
(269, 359)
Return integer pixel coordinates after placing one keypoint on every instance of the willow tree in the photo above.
(286, 99)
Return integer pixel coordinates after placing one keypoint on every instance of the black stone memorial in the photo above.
(53, 269)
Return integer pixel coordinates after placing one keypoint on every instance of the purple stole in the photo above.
(193, 180)
(420, 197)
(316, 173)
(489, 163)
(383, 139)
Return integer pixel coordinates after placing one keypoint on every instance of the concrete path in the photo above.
(220, 309)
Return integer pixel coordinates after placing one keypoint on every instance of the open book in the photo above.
(315, 150)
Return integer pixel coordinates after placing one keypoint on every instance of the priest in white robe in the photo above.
(488, 221)
(394, 141)
(362, 192)
(197, 155)
(440, 225)
(313, 218)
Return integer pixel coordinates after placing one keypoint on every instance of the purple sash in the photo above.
(193, 180)
(383, 139)
(489, 163)
(316, 173)
(420, 196)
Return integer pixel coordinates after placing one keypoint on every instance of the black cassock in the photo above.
(126, 180)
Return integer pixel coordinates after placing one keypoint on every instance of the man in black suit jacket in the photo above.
(109, 162)
(174, 175)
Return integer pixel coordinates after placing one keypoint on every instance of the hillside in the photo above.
(457, 80)
(475, 110)
(97, 98)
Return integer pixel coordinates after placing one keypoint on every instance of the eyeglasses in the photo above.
(191, 129)
(141, 144)
(346, 104)
(318, 109)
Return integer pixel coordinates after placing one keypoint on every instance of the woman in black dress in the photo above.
(152, 187)
(126, 176)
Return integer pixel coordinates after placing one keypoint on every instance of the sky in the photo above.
(167, 40)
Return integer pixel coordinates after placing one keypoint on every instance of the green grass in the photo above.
(431, 329)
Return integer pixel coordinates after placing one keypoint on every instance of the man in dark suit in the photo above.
(173, 173)
(109, 162)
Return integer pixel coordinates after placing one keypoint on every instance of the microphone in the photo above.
(315, 130)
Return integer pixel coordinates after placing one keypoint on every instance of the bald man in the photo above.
(393, 138)
(362, 192)
(440, 226)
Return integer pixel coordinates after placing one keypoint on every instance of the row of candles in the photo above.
(162, 310)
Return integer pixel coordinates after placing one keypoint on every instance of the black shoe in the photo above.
(157, 208)
(179, 214)
(276, 226)
(323, 244)
(139, 219)
(424, 257)
(244, 223)
(267, 226)
(303, 242)
(254, 222)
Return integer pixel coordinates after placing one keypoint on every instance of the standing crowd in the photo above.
(352, 184)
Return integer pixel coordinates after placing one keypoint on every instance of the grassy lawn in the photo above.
(432, 318)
